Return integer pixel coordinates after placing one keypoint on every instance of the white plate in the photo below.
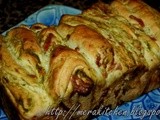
(146, 107)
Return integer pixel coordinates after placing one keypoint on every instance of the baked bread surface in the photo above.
(107, 55)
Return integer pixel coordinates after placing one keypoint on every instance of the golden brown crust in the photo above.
(140, 15)
(64, 67)
(98, 57)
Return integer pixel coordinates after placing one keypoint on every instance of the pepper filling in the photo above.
(82, 84)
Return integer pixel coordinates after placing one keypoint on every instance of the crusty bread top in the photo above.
(140, 15)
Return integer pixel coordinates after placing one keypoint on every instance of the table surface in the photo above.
(14, 11)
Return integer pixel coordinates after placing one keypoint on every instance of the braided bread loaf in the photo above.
(107, 55)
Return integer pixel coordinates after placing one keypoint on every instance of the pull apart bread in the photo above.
(108, 55)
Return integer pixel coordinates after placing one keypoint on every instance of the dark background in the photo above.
(14, 11)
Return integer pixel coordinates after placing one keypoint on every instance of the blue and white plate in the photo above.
(146, 107)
